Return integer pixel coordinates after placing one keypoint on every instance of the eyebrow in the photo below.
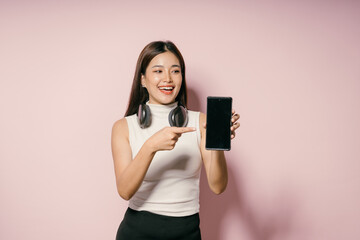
(175, 65)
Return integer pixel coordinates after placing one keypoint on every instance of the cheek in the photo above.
(153, 79)
(179, 81)
(156, 78)
(177, 78)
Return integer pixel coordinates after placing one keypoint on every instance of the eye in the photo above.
(176, 71)
(157, 71)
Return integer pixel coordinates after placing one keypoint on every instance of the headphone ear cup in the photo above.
(144, 116)
(178, 117)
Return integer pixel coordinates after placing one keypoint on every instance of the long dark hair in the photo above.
(138, 93)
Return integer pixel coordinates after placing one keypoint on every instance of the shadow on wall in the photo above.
(271, 222)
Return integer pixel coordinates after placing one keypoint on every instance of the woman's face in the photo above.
(163, 78)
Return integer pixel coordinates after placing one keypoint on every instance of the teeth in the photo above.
(166, 88)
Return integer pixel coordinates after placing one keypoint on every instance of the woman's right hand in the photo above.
(166, 138)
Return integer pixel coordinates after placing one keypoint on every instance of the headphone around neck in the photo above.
(178, 117)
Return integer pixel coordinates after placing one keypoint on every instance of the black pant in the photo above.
(141, 225)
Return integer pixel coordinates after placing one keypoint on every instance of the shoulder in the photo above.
(197, 114)
(120, 128)
(119, 124)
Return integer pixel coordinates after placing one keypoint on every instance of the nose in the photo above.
(168, 77)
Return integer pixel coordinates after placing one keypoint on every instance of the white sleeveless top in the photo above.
(171, 184)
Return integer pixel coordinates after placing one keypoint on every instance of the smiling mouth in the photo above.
(167, 89)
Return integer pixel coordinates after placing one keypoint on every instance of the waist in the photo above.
(150, 215)
(171, 197)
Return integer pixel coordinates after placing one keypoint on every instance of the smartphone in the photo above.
(218, 123)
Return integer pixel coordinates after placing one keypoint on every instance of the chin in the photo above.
(161, 99)
(169, 101)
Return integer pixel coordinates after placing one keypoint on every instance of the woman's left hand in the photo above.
(235, 124)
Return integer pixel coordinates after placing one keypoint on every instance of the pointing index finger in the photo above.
(184, 129)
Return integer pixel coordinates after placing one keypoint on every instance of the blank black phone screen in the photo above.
(218, 123)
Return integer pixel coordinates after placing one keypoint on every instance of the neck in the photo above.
(169, 105)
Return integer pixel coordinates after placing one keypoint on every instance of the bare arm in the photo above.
(214, 161)
(131, 172)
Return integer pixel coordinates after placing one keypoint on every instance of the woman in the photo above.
(158, 149)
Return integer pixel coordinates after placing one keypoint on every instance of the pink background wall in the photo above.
(292, 68)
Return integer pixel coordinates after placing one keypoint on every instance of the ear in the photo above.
(143, 81)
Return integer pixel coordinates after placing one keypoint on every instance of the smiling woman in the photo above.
(139, 94)
(162, 78)
(158, 150)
